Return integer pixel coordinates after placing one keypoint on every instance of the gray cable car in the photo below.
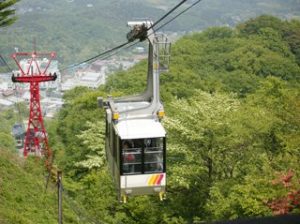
(135, 137)
(18, 132)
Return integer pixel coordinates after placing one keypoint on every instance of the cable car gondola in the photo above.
(18, 132)
(135, 137)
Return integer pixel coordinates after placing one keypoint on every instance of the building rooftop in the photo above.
(125, 106)
(140, 128)
(6, 103)
(91, 76)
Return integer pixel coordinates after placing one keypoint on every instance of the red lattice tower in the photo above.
(36, 140)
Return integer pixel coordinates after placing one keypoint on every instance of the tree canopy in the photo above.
(7, 14)
(232, 102)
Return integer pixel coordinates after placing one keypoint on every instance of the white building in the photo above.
(3, 85)
(92, 79)
(51, 106)
(5, 103)
(87, 78)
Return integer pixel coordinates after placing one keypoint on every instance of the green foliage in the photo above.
(128, 84)
(7, 15)
(233, 121)
(7, 119)
(80, 107)
(218, 33)
(22, 192)
(93, 140)
(81, 32)
(292, 36)
(218, 136)
(7, 141)
(288, 31)
(247, 198)
(253, 26)
(232, 101)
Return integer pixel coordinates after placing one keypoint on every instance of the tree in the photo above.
(253, 26)
(290, 200)
(217, 136)
(7, 141)
(7, 15)
(232, 99)
(93, 140)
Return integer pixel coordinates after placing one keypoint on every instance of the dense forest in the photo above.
(232, 100)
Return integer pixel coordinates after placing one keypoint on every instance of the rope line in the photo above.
(97, 56)
(167, 14)
(5, 63)
(117, 48)
(179, 14)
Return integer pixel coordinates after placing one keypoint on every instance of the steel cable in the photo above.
(126, 43)
(160, 27)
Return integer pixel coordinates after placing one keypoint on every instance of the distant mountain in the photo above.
(75, 29)
(78, 29)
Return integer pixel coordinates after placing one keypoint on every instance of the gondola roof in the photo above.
(140, 128)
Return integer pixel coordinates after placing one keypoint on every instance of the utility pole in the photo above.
(59, 195)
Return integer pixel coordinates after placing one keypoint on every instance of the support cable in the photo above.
(116, 52)
(126, 43)
(50, 170)
(5, 63)
(78, 211)
(167, 14)
(179, 14)
(97, 56)
(160, 27)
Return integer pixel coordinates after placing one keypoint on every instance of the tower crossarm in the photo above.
(33, 63)
(40, 78)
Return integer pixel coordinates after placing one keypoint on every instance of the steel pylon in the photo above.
(36, 139)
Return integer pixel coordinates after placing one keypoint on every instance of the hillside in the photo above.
(23, 199)
(232, 102)
(79, 29)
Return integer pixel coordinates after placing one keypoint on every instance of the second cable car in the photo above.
(18, 132)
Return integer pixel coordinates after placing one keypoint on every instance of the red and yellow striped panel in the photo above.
(155, 179)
